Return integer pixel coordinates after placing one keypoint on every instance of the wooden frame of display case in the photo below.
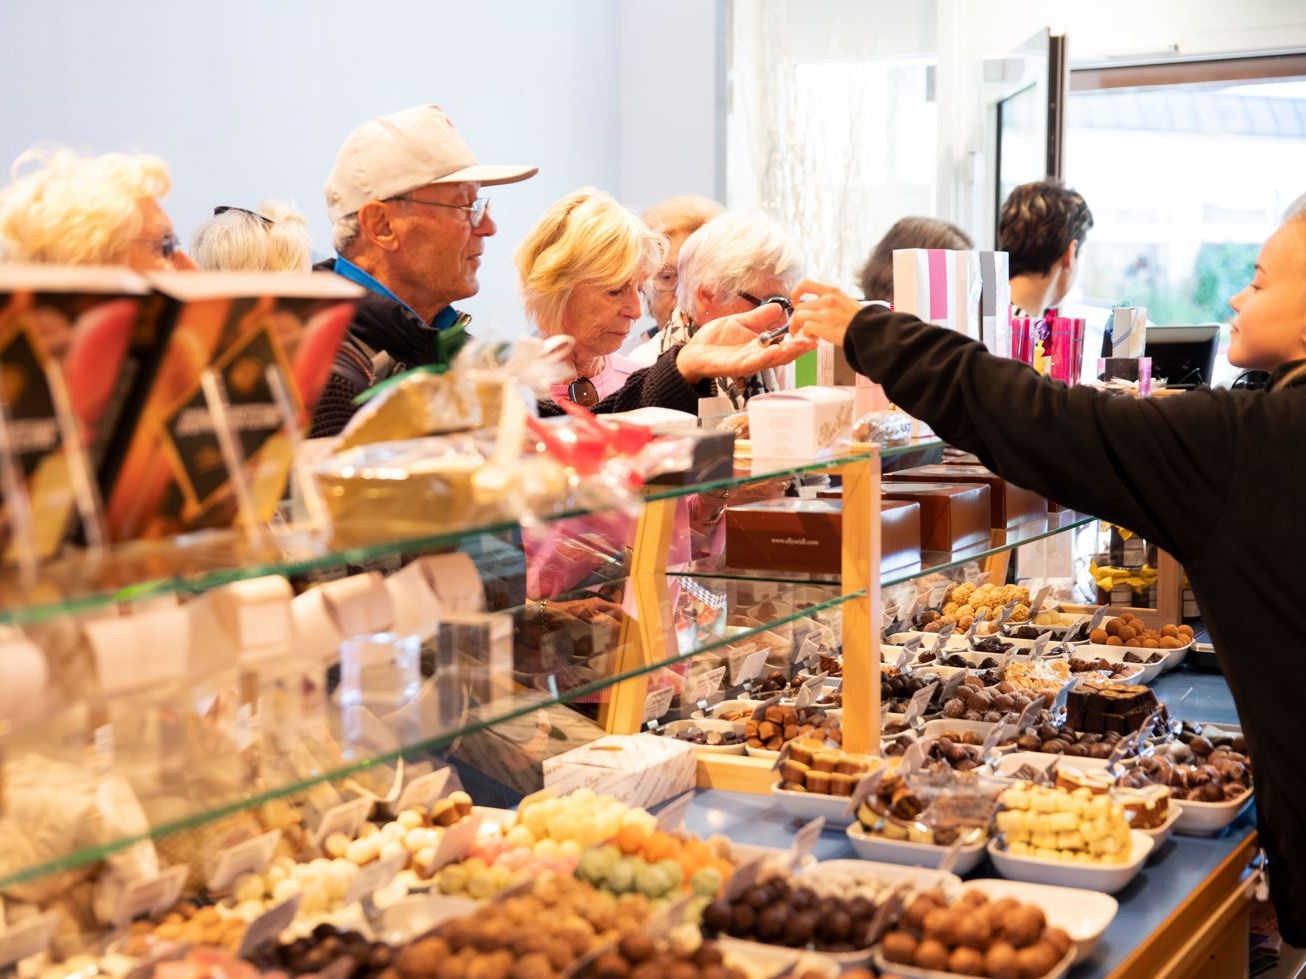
(861, 641)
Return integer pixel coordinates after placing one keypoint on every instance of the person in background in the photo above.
(876, 276)
(274, 238)
(65, 209)
(580, 270)
(676, 217)
(734, 263)
(1220, 487)
(1042, 229)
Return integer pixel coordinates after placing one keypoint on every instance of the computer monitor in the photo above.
(1183, 355)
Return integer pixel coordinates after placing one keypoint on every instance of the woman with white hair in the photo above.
(66, 209)
(274, 238)
(676, 217)
(734, 263)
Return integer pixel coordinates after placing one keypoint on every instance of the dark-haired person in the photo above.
(1219, 486)
(876, 276)
(1042, 229)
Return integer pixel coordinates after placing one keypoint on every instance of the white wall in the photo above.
(248, 98)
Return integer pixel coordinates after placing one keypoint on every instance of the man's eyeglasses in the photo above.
(475, 211)
(583, 392)
(224, 208)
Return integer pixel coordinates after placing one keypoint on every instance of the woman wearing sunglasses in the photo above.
(1217, 478)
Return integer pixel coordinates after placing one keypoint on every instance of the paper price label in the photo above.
(914, 607)
(750, 667)
(884, 914)
(950, 855)
(744, 877)
(345, 818)
(421, 792)
(904, 659)
(1030, 714)
(1037, 650)
(999, 731)
(969, 634)
(1004, 616)
(1040, 597)
(759, 712)
(457, 840)
(1075, 626)
(914, 757)
(782, 756)
(373, 877)
(657, 703)
(1005, 660)
(672, 816)
(864, 789)
(582, 965)
(1059, 704)
(814, 685)
(912, 645)
(950, 687)
(267, 926)
(28, 938)
(983, 578)
(661, 923)
(937, 592)
(152, 895)
(248, 857)
(920, 700)
(1098, 615)
(805, 841)
(705, 685)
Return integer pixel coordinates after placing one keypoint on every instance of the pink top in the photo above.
(607, 381)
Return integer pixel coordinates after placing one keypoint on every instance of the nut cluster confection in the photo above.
(965, 604)
(189, 924)
(1002, 939)
(812, 766)
(1053, 824)
(1129, 630)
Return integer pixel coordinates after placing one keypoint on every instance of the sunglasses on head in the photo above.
(224, 208)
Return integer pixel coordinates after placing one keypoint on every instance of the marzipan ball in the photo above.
(914, 917)
(636, 948)
(1059, 941)
(932, 954)
(1022, 926)
(646, 970)
(536, 965)
(609, 965)
(972, 931)
(966, 962)
(1098, 636)
(681, 970)
(1037, 960)
(1000, 962)
(707, 955)
(900, 947)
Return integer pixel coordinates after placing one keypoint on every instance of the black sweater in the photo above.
(1217, 478)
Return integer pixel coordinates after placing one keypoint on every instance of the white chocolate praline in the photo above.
(286, 889)
(368, 829)
(336, 844)
(410, 819)
(392, 850)
(393, 831)
(414, 840)
(274, 875)
(249, 887)
(360, 851)
(424, 860)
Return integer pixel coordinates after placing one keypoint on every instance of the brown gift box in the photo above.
(807, 535)
(953, 515)
(1010, 505)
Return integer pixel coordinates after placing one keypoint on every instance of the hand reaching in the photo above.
(728, 347)
(825, 313)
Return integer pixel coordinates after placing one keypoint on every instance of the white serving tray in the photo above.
(1105, 877)
(908, 854)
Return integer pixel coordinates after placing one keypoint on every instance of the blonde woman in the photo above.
(274, 238)
(65, 209)
(581, 269)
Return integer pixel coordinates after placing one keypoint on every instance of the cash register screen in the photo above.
(1183, 355)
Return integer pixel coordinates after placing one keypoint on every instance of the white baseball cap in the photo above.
(391, 155)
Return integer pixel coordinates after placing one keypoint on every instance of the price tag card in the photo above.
(705, 685)
(913, 645)
(903, 665)
(950, 687)
(782, 756)
(151, 895)
(1040, 597)
(657, 703)
(1004, 616)
(1030, 714)
(248, 857)
(661, 922)
(1098, 615)
(759, 712)
(920, 700)
(914, 757)
(744, 877)
(1005, 660)
(810, 691)
(947, 629)
(808, 651)
(267, 926)
(1059, 704)
(864, 789)
(916, 603)
(672, 816)
(457, 840)
(28, 938)
(1000, 730)
(373, 877)
(347, 818)
(750, 668)
(421, 792)
(937, 592)
(887, 912)
(805, 841)
(950, 855)
(582, 965)
(1038, 650)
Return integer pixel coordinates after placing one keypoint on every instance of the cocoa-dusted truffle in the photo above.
(716, 916)
(1000, 962)
(900, 947)
(932, 954)
(966, 962)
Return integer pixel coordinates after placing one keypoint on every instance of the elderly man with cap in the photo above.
(409, 224)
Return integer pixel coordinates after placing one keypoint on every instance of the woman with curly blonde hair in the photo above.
(273, 238)
(66, 209)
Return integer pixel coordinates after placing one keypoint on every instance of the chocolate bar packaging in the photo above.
(953, 515)
(1010, 505)
(807, 535)
(96, 333)
(172, 476)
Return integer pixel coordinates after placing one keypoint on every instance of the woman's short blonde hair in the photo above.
(684, 213)
(237, 241)
(585, 238)
(68, 209)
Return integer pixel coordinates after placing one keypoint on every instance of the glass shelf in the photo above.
(83, 581)
(554, 668)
